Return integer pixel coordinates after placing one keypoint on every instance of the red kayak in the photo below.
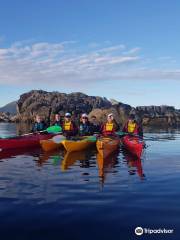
(133, 145)
(26, 141)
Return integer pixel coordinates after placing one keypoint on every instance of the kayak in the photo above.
(80, 144)
(52, 144)
(49, 145)
(25, 141)
(107, 145)
(133, 145)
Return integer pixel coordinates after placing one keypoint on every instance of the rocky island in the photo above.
(48, 103)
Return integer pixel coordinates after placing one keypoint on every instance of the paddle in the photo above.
(51, 129)
(54, 129)
(122, 134)
(91, 139)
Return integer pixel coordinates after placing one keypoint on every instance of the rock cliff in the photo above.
(49, 103)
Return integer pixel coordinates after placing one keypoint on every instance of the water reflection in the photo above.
(134, 165)
(12, 153)
(71, 157)
(54, 157)
(83, 159)
(105, 165)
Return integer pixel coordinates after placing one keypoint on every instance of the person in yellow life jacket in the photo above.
(69, 128)
(132, 127)
(110, 127)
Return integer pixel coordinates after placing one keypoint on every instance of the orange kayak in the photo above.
(107, 145)
(49, 145)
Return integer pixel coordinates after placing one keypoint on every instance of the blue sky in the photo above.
(126, 50)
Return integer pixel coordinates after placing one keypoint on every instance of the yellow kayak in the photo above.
(80, 144)
(107, 145)
(49, 145)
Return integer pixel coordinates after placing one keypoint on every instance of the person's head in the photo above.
(38, 118)
(93, 119)
(57, 117)
(132, 117)
(110, 118)
(67, 117)
(84, 118)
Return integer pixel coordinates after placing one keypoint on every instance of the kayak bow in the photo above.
(133, 145)
(26, 141)
(78, 145)
(106, 146)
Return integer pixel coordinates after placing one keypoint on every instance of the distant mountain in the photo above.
(10, 108)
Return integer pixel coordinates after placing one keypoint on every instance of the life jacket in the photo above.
(109, 126)
(67, 126)
(108, 129)
(131, 127)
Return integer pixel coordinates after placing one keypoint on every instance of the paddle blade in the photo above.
(91, 139)
(54, 129)
(58, 139)
(121, 134)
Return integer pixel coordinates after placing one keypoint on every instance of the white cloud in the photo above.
(66, 64)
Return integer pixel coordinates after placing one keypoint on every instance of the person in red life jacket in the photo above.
(110, 127)
(132, 127)
(39, 124)
(69, 128)
(57, 120)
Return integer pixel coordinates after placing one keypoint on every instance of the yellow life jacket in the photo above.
(67, 126)
(131, 127)
(109, 126)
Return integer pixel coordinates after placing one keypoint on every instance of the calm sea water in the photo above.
(59, 196)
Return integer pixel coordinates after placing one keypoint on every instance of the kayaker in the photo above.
(69, 127)
(132, 127)
(95, 124)
(57, 120)
(85, 127)
(110, 127)
(39, 124)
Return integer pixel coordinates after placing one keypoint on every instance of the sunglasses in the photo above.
(68, 116)
(84, 118)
